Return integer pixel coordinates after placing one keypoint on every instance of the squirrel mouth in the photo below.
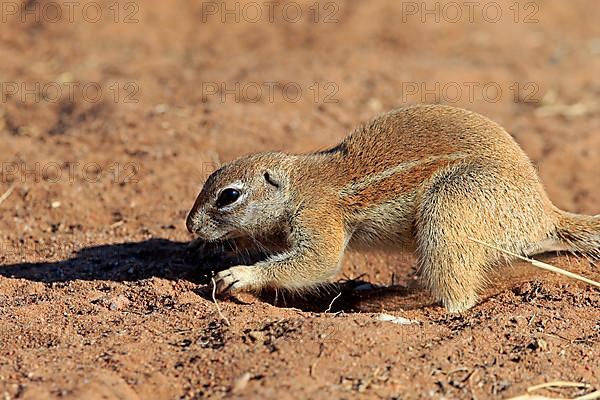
(229, 235)
(223, 237)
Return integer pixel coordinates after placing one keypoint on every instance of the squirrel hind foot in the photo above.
(456, 305)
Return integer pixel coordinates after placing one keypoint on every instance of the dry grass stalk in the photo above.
(214, 298)
(541, 265)
(331, 304)
(7, 193)
(557, 384)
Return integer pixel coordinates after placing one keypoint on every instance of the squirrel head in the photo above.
(247, 197)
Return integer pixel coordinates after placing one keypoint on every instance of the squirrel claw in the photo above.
(235, 278)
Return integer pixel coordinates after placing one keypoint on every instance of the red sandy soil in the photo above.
(97, 300)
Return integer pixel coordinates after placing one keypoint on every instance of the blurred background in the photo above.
(114, 112)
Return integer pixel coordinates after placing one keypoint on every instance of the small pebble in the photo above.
(396, 320)
(241, 382)
(161, 109)
(118, 303)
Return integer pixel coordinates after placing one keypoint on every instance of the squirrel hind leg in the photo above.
(453, 274)
(453, 267)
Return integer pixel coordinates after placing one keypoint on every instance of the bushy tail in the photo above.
(580, 233)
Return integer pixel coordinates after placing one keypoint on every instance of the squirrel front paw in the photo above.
(236, 278)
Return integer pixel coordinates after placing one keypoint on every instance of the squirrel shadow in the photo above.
(116, 262)
(163, 258)
(351, 296)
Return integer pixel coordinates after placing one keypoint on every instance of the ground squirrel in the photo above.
(425, 178)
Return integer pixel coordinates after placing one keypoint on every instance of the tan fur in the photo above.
(425, 178)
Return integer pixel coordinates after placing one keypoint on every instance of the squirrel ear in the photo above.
(271, 179)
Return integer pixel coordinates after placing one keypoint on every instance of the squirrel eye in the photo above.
(227, 197)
